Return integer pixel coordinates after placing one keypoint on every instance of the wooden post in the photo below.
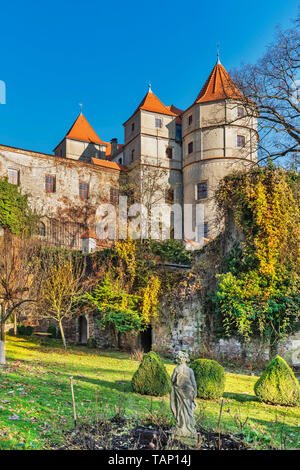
(219, 424)
(73, 400)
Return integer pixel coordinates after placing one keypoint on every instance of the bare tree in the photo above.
(61, 286)
(273, 83)
(18, 279)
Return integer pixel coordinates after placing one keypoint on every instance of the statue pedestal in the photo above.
(186, 438)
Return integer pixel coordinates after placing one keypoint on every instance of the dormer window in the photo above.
(158, 123)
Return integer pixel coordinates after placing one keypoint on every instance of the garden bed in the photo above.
(121, 434)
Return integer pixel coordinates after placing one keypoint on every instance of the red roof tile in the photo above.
(108, 164)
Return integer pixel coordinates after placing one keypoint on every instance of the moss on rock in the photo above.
(151, 378)
(278, 384)
(210, 378)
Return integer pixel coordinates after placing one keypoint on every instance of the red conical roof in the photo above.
(82, 130)
(219, 86)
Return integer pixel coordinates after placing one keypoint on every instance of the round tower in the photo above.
(219, 137)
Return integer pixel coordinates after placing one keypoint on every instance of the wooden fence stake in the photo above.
(219, 424)
(73, 400)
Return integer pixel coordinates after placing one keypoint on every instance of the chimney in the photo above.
(114, 147)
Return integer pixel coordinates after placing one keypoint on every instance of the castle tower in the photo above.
(152, 150)
(219, 137)
(82, 143)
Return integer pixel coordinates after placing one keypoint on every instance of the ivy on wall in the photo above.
(258, 290)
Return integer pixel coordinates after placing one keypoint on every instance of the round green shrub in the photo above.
(210, 378)
(151, 378)
(278, 384)
(28, 330)
(52, 330)
(21, 329)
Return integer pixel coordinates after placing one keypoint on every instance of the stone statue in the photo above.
(182, 397)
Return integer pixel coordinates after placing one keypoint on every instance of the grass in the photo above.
(35, 388)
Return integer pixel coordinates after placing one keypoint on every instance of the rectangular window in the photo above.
(169, 152)
(202, 190)
(114, 195)
(190, 147)
(132, 155)
(240, 112)
(158, 123)
(13, 176)
(132, 127)
(202, 230)
(50, 184)
(240, 140)
(83, 190)
(190, 119)
(169, 195)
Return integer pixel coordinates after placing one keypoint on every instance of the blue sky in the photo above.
(57, 54)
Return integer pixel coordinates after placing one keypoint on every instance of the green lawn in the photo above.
(35, 387)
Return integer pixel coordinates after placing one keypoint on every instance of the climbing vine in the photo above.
(258, 291)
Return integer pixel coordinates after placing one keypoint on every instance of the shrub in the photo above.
(210, 378)
(91, 343)
(21, 329)
(52, 330)
(28, 330)
(278, 384)
(151, 378)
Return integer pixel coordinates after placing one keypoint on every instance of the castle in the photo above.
(185, 152)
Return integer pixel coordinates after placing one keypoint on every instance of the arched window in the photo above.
(41, 229)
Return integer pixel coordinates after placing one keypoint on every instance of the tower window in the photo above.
(158, 123)
(205, 229)
(190, 147)
(50, 184)
(240, 112)
(169, 195)
(169, 152)
(178, 133)
(83, 190)
(202, 190)
(13, 176)
(240, 140)
(190, 119)
(114, 195)
(132, 155)
(132, 127)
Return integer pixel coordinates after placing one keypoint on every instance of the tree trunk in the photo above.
(2, 336)
(15, 323)
(62, 335)
(273, 348)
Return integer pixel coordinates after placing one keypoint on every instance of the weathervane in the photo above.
(149, 86)
(218, 53)
(80, 104)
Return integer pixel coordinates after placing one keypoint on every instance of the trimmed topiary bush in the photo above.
(151, 378)
(52, 330)
(210, 378)
(28, 330)
(21, 329)
(278, 384)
